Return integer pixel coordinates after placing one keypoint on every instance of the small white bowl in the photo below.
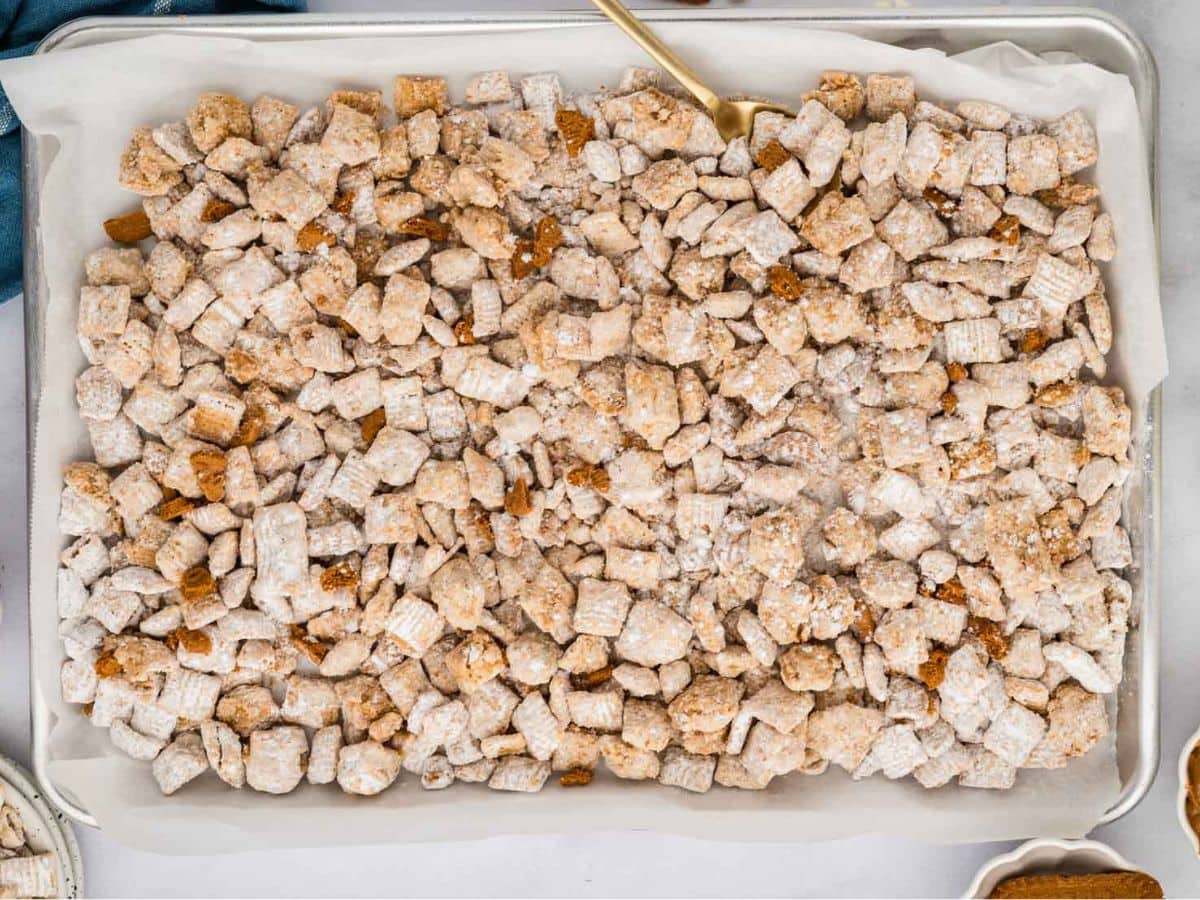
(1045, 855)
(46, 829)
(1188, 746)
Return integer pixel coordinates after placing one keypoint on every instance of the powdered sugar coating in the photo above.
(473, 443)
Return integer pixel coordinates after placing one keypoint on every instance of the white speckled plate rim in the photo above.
(46, 829)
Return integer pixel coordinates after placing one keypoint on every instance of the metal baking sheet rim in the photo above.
(1112, 44)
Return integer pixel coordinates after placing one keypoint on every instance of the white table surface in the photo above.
(643, 864)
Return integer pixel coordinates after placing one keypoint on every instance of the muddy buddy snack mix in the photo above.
(513, 440)
(24, 872)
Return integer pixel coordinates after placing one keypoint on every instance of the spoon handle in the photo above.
(661, 53)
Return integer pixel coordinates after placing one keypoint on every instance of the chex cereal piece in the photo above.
(519, 773)
(843, 734)
(275, 760)
(973, 340)
(897, 751)
(786, 190)
(1077, 144)
(1081, 666)
(653, 634)
(1014, 733)
(689, 771)
(911, 229)
(836, 224)
(32, 875)
(986, 770)
(601, 607)
(180, 762)
(883, 145)
(367, 767)
(887, 94)
(1032, 163)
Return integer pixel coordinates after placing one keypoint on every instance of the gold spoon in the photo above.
(732, 117)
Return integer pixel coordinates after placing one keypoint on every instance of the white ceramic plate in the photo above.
(1048, 855)
(1188, 746)
(46, 829)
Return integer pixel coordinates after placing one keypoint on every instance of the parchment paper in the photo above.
(89, 99)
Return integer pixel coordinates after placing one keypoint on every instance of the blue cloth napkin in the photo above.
(23, 23)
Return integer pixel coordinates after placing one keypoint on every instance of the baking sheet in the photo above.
(101, 92)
